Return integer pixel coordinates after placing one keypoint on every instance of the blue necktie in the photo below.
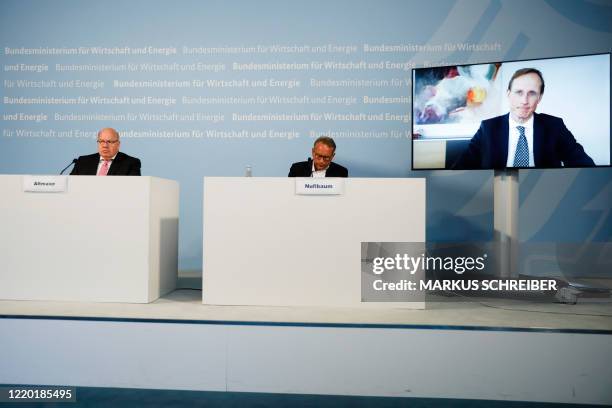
(521, 157)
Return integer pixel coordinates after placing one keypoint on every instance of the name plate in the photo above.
(45, 184)
(319, 186)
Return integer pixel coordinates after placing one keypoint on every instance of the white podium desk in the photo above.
(265, 245)
(104, 239)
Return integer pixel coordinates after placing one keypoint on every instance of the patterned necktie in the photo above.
(104, 169)
(521, 157)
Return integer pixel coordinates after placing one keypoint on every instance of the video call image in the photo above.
(546, 113)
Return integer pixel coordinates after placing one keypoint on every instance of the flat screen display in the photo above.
(544, 113)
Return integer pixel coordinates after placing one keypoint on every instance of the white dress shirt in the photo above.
(318, 173)
(101, 162)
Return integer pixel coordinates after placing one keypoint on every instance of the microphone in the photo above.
(66, 168)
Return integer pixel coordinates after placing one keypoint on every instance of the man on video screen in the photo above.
(523, 138)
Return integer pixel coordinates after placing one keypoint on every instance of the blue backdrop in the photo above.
(205, 88)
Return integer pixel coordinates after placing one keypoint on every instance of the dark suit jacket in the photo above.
(123, 165)
(553, 145)
(304, 169)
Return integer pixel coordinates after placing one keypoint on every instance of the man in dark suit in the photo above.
(523, 138)
(320, 165)
(109, 161)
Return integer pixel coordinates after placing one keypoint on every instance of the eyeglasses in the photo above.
(110, 142)
(321, 157)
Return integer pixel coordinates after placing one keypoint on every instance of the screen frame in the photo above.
(412, 107)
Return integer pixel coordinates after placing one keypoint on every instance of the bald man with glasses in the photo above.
(109, 161)
(320, 165)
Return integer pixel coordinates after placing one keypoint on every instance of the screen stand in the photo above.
(505, 220)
